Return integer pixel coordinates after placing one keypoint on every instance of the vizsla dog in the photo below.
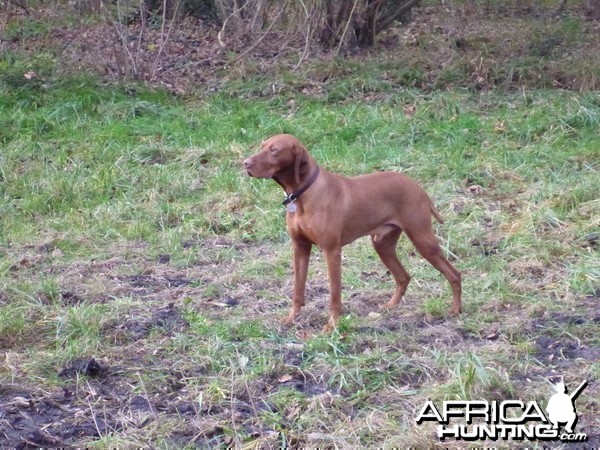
(331, 211)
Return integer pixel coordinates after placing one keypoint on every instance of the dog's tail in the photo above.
(435, 213)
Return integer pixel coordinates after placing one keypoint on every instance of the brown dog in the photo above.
(331, 211)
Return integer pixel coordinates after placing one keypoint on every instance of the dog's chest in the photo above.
(301, 226)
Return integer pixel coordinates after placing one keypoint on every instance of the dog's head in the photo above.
(281, 156)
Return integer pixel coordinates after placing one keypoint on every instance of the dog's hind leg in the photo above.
(385, 246)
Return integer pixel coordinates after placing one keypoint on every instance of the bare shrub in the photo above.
(129, 42)
(329, 22)
(87, 6)
(365, 19)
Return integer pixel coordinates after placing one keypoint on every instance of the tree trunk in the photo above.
(366, 29)
(335, 21)
(368, 18)
(327, 33)
(592, 9)
(404, 8)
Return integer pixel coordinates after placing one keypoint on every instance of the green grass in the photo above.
(99, 182)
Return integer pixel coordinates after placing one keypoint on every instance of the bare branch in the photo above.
(388, 20)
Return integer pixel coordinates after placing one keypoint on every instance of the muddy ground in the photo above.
(101, 394)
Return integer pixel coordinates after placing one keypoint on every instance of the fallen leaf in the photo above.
(285, 378)
(303, 335)
(500, 127)
(409, 110)
(294, 345)
(476, 189)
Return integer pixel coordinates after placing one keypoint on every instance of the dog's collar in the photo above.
(296, 195)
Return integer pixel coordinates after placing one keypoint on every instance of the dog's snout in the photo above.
(248, 163)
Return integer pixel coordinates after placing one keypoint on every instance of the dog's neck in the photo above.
(291, 183)
(308, 173)
(292, 197)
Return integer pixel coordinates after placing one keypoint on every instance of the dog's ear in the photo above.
(299, 158)
(270, 145)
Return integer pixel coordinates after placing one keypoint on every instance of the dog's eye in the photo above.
(274, 149)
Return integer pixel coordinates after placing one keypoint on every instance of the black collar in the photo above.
(296, 195)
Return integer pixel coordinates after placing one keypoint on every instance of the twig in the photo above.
(22, 5)
(138, 50)
(343, 37)
(92, 412)
(120, 36)
(222, 30)
(253, 46)
(164, 40)
(308, 35)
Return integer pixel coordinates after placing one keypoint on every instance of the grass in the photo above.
(129, 233)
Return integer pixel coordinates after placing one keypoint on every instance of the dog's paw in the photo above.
(393, 303)
(288, 320)
(455, 311)
(328, 329)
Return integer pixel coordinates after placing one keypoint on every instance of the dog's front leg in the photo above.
(301, 257)
(333, 256)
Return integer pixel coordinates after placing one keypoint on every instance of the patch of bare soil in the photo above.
(34, 418)
(101, 396)
(108, 402)
(105, 403)
(167, 319)
(560, 351)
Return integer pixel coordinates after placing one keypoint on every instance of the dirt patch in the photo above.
(69, 298)
(83, 366)
(303, 383)
(168, 319)
(142, 282)
(442, 335)
(99, 399)
(33, 419)
(557, 350)
(554, 350)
